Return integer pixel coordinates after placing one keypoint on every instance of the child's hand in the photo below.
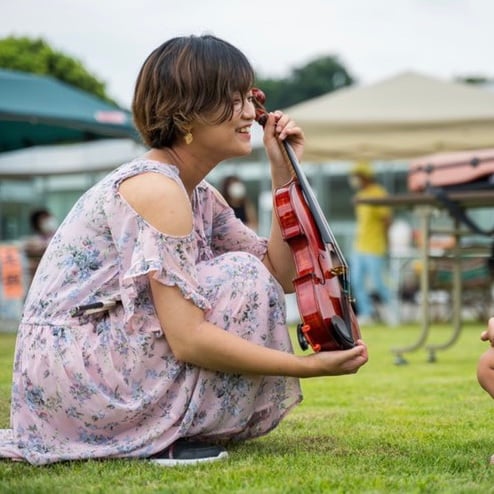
(488, 334)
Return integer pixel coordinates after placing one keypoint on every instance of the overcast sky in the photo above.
(374, 39)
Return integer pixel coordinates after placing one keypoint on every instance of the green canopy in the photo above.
(38, 110)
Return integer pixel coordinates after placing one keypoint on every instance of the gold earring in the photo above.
(188, 138)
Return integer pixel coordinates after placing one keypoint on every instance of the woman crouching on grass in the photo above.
(194, 349)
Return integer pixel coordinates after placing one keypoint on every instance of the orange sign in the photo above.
(12, 274)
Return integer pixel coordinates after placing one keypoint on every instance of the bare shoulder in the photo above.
(160, 200)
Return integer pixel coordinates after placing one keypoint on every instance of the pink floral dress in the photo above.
(107, 385)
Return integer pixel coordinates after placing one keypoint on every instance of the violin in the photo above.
(321, 282)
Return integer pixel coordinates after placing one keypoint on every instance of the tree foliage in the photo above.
(478, 80)
(320, 76)
(36, 56)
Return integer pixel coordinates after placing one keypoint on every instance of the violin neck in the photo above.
(321, 222)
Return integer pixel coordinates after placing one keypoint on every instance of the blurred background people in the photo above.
(234, 191)
(43, 226)
(368, 264)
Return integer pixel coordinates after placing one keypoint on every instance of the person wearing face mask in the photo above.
(368, 262)
(235, 194)
(43, 225)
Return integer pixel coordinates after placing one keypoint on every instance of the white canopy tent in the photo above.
(64, 159)
(406, 116)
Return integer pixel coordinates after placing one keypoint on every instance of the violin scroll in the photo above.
(259, 100)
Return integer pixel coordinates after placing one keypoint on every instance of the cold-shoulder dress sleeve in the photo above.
(144, 249)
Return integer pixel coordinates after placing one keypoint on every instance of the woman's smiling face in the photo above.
(230, 138)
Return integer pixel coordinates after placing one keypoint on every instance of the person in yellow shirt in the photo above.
(368, 262)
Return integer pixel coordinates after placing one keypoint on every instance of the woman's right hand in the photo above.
(339, 362)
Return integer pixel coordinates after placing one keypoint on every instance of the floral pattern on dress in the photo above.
(107, 385)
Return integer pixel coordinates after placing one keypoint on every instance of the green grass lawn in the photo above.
(416, 428)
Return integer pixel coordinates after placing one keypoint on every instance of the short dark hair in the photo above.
(186, 79)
